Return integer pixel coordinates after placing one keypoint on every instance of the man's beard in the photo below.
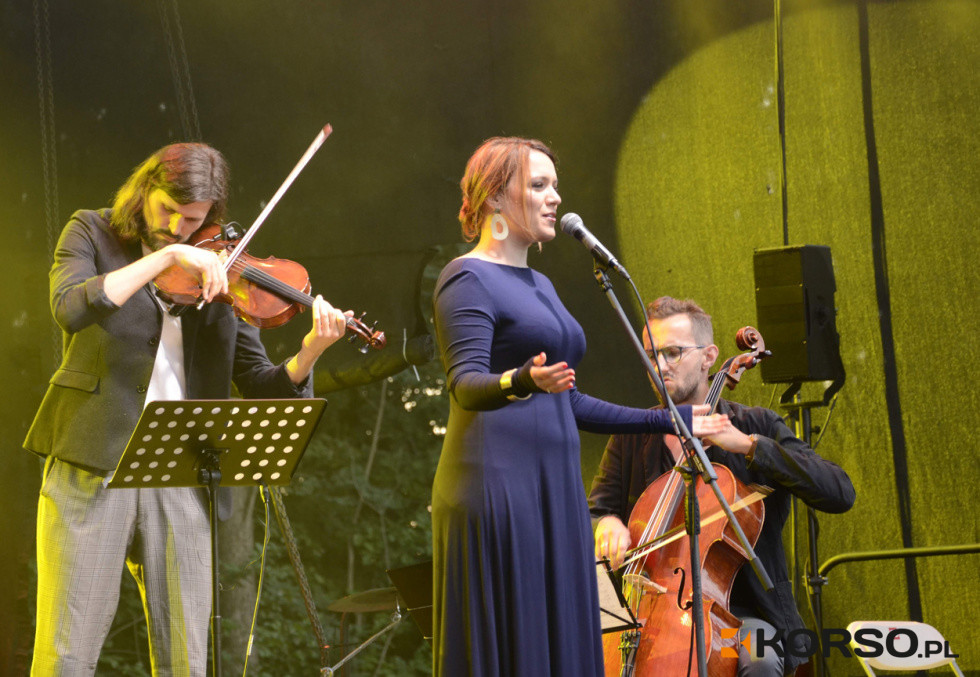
(683, 392)
(156, 240)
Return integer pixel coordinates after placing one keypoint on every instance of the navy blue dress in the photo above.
(514, 585)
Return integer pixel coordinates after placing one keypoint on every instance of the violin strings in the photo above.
(268, 282)
(263, 279)
(290, 293)
(274, 284)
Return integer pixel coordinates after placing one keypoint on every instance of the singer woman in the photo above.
(514, 575)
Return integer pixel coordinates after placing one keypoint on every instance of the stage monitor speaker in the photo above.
(794, 299)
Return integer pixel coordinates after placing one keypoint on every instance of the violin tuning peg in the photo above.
(361, 316)
(373, 325)
(363, 348)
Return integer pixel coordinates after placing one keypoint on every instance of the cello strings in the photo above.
(660, 510)
(668, 499)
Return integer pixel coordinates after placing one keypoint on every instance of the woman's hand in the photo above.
(554, 378)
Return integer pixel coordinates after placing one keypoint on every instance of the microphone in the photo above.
(572, 224)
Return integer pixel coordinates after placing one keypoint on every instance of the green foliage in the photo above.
(351, 526)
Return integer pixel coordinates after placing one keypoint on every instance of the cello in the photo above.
(656, 576)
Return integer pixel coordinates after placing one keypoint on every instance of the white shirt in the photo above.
(167, 380)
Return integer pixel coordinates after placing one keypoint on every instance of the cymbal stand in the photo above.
(396, 618)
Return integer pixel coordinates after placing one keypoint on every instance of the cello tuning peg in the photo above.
(363, 349)
(361, 316)
(373, 325)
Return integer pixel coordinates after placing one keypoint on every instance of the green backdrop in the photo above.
(663, 114)
(698, 182)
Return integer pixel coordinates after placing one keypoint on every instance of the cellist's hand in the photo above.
(612, 540)
(706, 426)
(731, 439)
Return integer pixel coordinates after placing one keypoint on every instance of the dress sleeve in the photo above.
(77, 288)
(465, 320)
(598, 416)
(791, 463)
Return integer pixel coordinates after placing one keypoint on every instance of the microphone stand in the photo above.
(699, 465)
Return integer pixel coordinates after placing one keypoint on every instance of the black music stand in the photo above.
(614, 613)
(187, 443)
(414, 585)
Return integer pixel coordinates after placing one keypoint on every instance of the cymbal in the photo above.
(378, 599)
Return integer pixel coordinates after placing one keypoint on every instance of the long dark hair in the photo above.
(187, 172)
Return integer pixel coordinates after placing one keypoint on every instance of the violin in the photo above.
(655, 580)
(264, 292)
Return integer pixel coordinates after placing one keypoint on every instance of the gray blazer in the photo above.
(96, 396)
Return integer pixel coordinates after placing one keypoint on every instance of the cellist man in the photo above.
(122, 348)
(759, 449)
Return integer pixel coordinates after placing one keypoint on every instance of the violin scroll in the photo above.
(372, 337)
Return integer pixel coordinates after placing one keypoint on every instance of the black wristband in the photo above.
(523, 384)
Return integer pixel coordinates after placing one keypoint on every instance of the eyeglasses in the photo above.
(672, 354)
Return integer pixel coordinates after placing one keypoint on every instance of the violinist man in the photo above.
(123, 348)
(759, 449)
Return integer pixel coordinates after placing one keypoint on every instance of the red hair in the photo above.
(488, 172)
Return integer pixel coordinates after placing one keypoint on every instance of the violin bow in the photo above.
(254, 228)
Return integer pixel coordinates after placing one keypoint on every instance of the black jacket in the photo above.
(96, 396)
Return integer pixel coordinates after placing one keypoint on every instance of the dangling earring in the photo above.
(498, 226)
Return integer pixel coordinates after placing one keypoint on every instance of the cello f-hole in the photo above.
(680, 590)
